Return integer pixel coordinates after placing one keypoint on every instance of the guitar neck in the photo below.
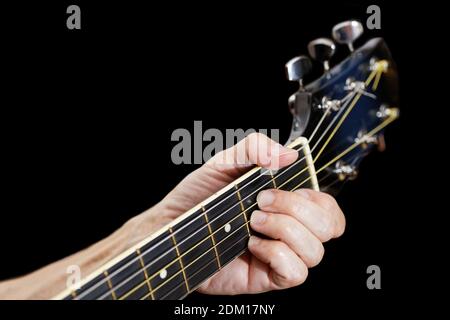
(180, 257)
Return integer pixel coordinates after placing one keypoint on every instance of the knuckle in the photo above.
(327, 201)
(327, 231)
(255, 136)
(316, 256)
(288, 231)
(295, 207)
(276, 250)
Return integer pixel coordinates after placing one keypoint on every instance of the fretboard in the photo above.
(185, 254)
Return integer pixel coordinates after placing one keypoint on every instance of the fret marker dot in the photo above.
(163, 274)
(227, 227)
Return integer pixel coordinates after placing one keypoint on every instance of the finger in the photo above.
(257, 149)
(290, 231)
(328, 203)
(287, 269)
(325, 224)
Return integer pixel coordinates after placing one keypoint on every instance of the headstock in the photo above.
(344, 112)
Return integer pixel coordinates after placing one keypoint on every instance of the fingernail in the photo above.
(265, 198)
(279, 150)
(304, 193)
(258, 217)
(253, 241)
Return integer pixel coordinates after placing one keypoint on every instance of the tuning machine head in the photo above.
(322, 49)
(297, 68)
(347, 32)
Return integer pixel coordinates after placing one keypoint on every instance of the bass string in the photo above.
(151, 293)
(145, 252)
(296, 187)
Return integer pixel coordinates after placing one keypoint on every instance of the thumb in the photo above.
(255, 149)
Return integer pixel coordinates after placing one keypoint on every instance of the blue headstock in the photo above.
(344, 112)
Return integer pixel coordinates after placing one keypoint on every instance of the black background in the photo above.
(87, 118)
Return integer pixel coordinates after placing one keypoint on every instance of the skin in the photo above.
(296, 223)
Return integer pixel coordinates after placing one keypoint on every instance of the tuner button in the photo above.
(297, 68)
(322, 50)
(347, 32)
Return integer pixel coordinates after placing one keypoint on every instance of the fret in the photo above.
(128, 281)
(171, 288)
(231, 239)
(111, 290)
(197, 276)
(204, 258)
(227, 224)
(232, 249)
(294, 176)
(208, 270)
(242, 209)
(141, 262)
(168, 267)
(222, 211)
(252, 186)
(179, 258)
(227, 203)
(273, 179)
(213, 238)
(193, 237)
(162, 264)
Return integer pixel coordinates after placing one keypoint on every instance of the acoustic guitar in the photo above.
(337, 120)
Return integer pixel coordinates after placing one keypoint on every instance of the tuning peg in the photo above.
(347, 32)
(322, 50)
(381, 143)
(297, 68)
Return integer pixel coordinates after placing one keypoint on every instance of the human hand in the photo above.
(296, 223)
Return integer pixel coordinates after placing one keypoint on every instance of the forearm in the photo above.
(50, 280)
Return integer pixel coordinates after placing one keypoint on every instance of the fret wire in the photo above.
(367, 82)
(300, 184)
(273, 179)
(111, 290)
(280, 187)
(212, 237)
(179, 258)
(192, 248)
(174, 275)
(209, 237)
(378, 128)
(237, 255)
(196, 272)
(242, 207)
(148, 250)
(141, 261)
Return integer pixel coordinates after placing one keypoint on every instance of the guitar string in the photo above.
(174, 261)
(357, 143)
(203, 267)
(137, 287)
(94, 286)
(152, 292)
(287, 169)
